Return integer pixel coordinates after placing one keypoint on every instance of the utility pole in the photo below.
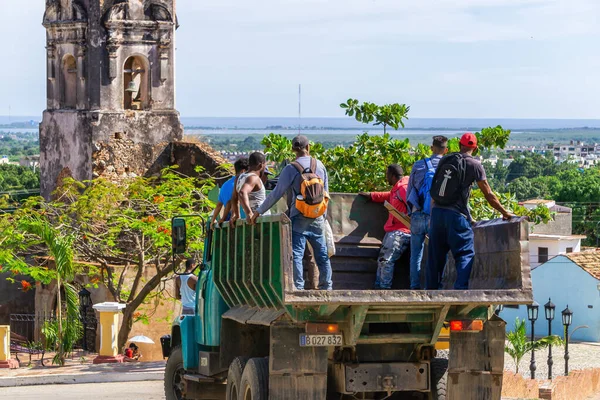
(299, 108)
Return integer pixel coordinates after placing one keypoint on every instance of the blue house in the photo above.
(572, 279)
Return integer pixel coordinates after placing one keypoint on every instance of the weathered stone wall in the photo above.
(65, 142)
(561, 225)
(129, 144)
(188, 156)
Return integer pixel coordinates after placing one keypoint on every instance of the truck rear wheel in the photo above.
(234, 377)
(255, 380)
(174, 375)
(439, 378)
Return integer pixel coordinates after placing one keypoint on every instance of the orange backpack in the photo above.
(313, 198)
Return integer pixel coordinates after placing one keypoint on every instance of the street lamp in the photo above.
(549, 307)
(532, 314)
(567, 318)
(499, 309)
(85, 301)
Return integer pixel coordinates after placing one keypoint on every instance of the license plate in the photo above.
(320, 340)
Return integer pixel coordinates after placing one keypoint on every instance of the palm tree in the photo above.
(60, 248)
(518, 345)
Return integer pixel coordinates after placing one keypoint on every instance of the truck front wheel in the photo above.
(439, 378)
(255, 380)
(174, 375)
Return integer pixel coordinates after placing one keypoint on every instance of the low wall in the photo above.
(516, 386)
(579, 385)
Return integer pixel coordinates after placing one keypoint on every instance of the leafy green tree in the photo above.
(392, 115)
(518, 344)
(496, 175)
(124, 228)
(532, 165)
(15, 177)
(33, 233)
(525, 189)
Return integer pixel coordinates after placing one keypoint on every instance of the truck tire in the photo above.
(439, 378)
(234, 377)
(255, 380)
(174, 375)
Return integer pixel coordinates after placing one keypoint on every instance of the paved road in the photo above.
(96, 391)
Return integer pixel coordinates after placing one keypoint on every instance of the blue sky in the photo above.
(444, 58)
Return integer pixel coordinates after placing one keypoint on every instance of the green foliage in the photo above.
(532, 165)
(481, 210)
(109, 224)
(492, 137)
(361, 167)
(518, 344)
(34, 233)
(19, 144)
(15, 177)
(392, 115)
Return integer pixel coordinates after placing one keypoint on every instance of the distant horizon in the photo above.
(29, 117)
(348, 123)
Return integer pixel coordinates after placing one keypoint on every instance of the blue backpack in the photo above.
(425, 189)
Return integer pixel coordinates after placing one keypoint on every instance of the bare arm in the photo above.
(225, 212)
(245, 190)
(178, 288)
(216, 213)
(491, 198)
(235, 208)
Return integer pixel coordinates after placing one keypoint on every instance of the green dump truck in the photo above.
(253, 336)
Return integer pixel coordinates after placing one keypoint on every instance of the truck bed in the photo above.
(253, 264)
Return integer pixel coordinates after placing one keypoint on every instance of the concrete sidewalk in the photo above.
(84, 373)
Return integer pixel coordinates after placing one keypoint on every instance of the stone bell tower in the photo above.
(111, 88)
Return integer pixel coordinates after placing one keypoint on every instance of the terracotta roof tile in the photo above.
(589, 261)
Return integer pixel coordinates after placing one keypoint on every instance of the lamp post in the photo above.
(550, 308)
(85, 301)
(567, 319)
(532, 314)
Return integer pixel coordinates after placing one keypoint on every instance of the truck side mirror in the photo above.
(178, 235)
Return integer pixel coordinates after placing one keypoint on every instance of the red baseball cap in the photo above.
(469, 140)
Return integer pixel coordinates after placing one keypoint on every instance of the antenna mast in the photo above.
(299, 108)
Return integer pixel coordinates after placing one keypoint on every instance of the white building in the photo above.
(555, 238)
(4, 160)
(32, 162)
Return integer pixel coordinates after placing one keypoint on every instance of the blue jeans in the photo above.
(311, 230)
(450, 231)
(393, 246)
(419, 226)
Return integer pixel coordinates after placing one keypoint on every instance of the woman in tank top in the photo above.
(250, 190)
(256, 198)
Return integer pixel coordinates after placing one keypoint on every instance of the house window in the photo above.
(569, 250)
(542, 255)
(69, 82)
(135, 83)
